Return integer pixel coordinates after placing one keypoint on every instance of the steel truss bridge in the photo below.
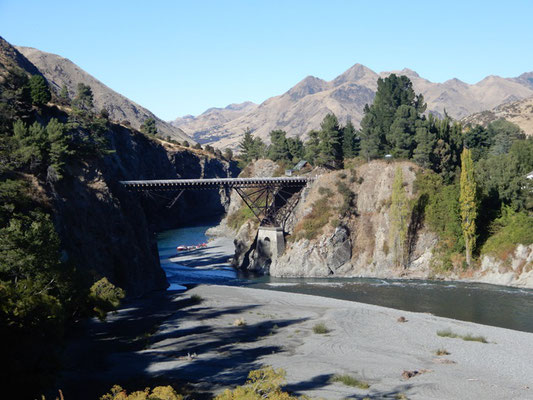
(270, 199)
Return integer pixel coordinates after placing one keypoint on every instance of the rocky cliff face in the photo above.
(358, 245)
(110, 232)
(516, 270)
(323, 243)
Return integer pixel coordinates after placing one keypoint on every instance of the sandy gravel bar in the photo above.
(365, 341)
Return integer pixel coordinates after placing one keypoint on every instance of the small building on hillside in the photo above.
(298, 167)
(301, 164)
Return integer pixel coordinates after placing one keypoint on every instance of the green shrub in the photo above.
(196, 298)
(468, 337)
(311, 225)
(40, 93)
(157, 393)
(262, 384)
(105, 297)
(510, 229)
(349, 380)
(438, 205)
(348, 199)
(236, 219)
(324, 191)
(320, 328)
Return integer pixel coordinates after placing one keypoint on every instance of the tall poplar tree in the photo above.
(467, 200)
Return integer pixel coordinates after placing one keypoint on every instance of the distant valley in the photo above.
(303, 107)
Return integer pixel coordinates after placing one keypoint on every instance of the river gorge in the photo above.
(486, 304)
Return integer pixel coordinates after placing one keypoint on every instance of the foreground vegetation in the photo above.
(350, 380)
(41, 291)
(468, 337)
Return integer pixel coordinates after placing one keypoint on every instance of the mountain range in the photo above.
(60, 71)
(303, 107)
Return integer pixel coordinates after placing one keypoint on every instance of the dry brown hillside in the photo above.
(518, 112)
(60, 71)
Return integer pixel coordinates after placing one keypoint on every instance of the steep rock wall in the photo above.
(516, 270)
(358, 245)
(107, 231)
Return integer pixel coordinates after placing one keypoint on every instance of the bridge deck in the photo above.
(216, 183)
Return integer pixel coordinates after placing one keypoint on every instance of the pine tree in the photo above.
(63, 94)
(246, 146)
(311, 148)
(467, 200)
(279, 149)
(350, 142)
(399, 217)
(296, 149)
(148, 126)
(330, 147)
(371, 137)
(84, 97)
(59, 146)
(258, 149)
(40, 93)
(402, 132)
(394, 94)
(426, 141)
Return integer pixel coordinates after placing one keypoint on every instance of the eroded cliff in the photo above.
(110, 232)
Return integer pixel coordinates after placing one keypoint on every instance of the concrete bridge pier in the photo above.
(270, 242)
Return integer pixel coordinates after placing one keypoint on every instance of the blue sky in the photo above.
(182, 57)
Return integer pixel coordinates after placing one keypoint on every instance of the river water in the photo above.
(476, 302)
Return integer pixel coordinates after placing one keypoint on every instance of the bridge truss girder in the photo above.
(271, 200)
(264, 203)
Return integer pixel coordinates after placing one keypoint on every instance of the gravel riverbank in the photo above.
(211, 336)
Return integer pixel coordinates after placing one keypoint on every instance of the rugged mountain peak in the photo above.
(240, 106)
(355, 74)
(308, 85)
(455, 82)
(491, 79)
(409, 73)
(303, 107)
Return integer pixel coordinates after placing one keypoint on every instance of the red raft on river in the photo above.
(195, 247)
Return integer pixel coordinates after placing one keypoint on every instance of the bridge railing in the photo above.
(214, 183)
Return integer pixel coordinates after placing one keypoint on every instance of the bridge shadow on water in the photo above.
(202, 258)
(167, 339)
